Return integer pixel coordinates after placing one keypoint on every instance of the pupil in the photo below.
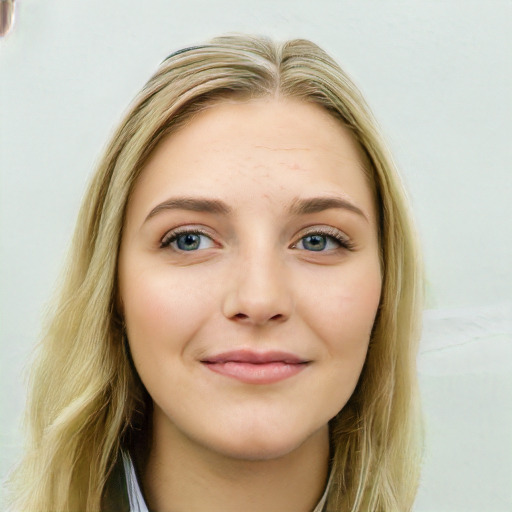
(188, 242)
(315, 242)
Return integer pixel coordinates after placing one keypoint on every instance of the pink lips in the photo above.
(256, 368)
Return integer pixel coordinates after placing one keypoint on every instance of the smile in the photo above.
(256, 368)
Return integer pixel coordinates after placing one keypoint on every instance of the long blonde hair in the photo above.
(86, 399)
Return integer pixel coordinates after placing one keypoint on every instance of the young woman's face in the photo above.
(249, 276)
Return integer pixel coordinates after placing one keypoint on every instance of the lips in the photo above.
(256, 367)
(248, 356)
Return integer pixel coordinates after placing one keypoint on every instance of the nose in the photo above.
(259, 291)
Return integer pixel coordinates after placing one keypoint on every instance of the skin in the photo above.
(255, 283)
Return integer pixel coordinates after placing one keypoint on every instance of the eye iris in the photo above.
(188, 242)
(315, 242)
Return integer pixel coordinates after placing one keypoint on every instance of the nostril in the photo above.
(243, 316)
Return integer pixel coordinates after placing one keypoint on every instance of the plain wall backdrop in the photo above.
(437, 75)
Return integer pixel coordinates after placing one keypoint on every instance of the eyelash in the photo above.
(333, 233)
(343, 241)
(173, 235)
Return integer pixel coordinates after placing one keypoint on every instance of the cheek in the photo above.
(343, 310)
(163, 311)
(343, 317)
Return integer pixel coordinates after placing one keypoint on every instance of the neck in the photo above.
(181, 476)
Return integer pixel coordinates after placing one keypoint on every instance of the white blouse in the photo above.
(137, 503)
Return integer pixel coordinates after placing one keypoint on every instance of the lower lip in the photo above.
(261, 373)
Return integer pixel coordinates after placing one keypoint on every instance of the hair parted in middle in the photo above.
(87, 400)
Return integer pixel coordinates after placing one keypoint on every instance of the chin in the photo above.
(256, 454)
(261, 446)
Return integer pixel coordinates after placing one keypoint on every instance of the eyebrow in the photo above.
(319, 204)
(215, 206)
(192, 204)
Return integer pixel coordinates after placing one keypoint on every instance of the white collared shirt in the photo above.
(137, 503)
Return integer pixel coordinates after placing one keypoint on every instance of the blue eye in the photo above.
(318, 243)
(314, 242)
(328, 239)
(187, 241)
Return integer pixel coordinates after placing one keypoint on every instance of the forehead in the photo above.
(260, 149)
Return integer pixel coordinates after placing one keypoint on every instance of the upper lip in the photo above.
(249, 356)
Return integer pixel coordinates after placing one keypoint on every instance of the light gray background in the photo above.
(438, 76)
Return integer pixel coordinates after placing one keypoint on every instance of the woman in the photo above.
(237, 327)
